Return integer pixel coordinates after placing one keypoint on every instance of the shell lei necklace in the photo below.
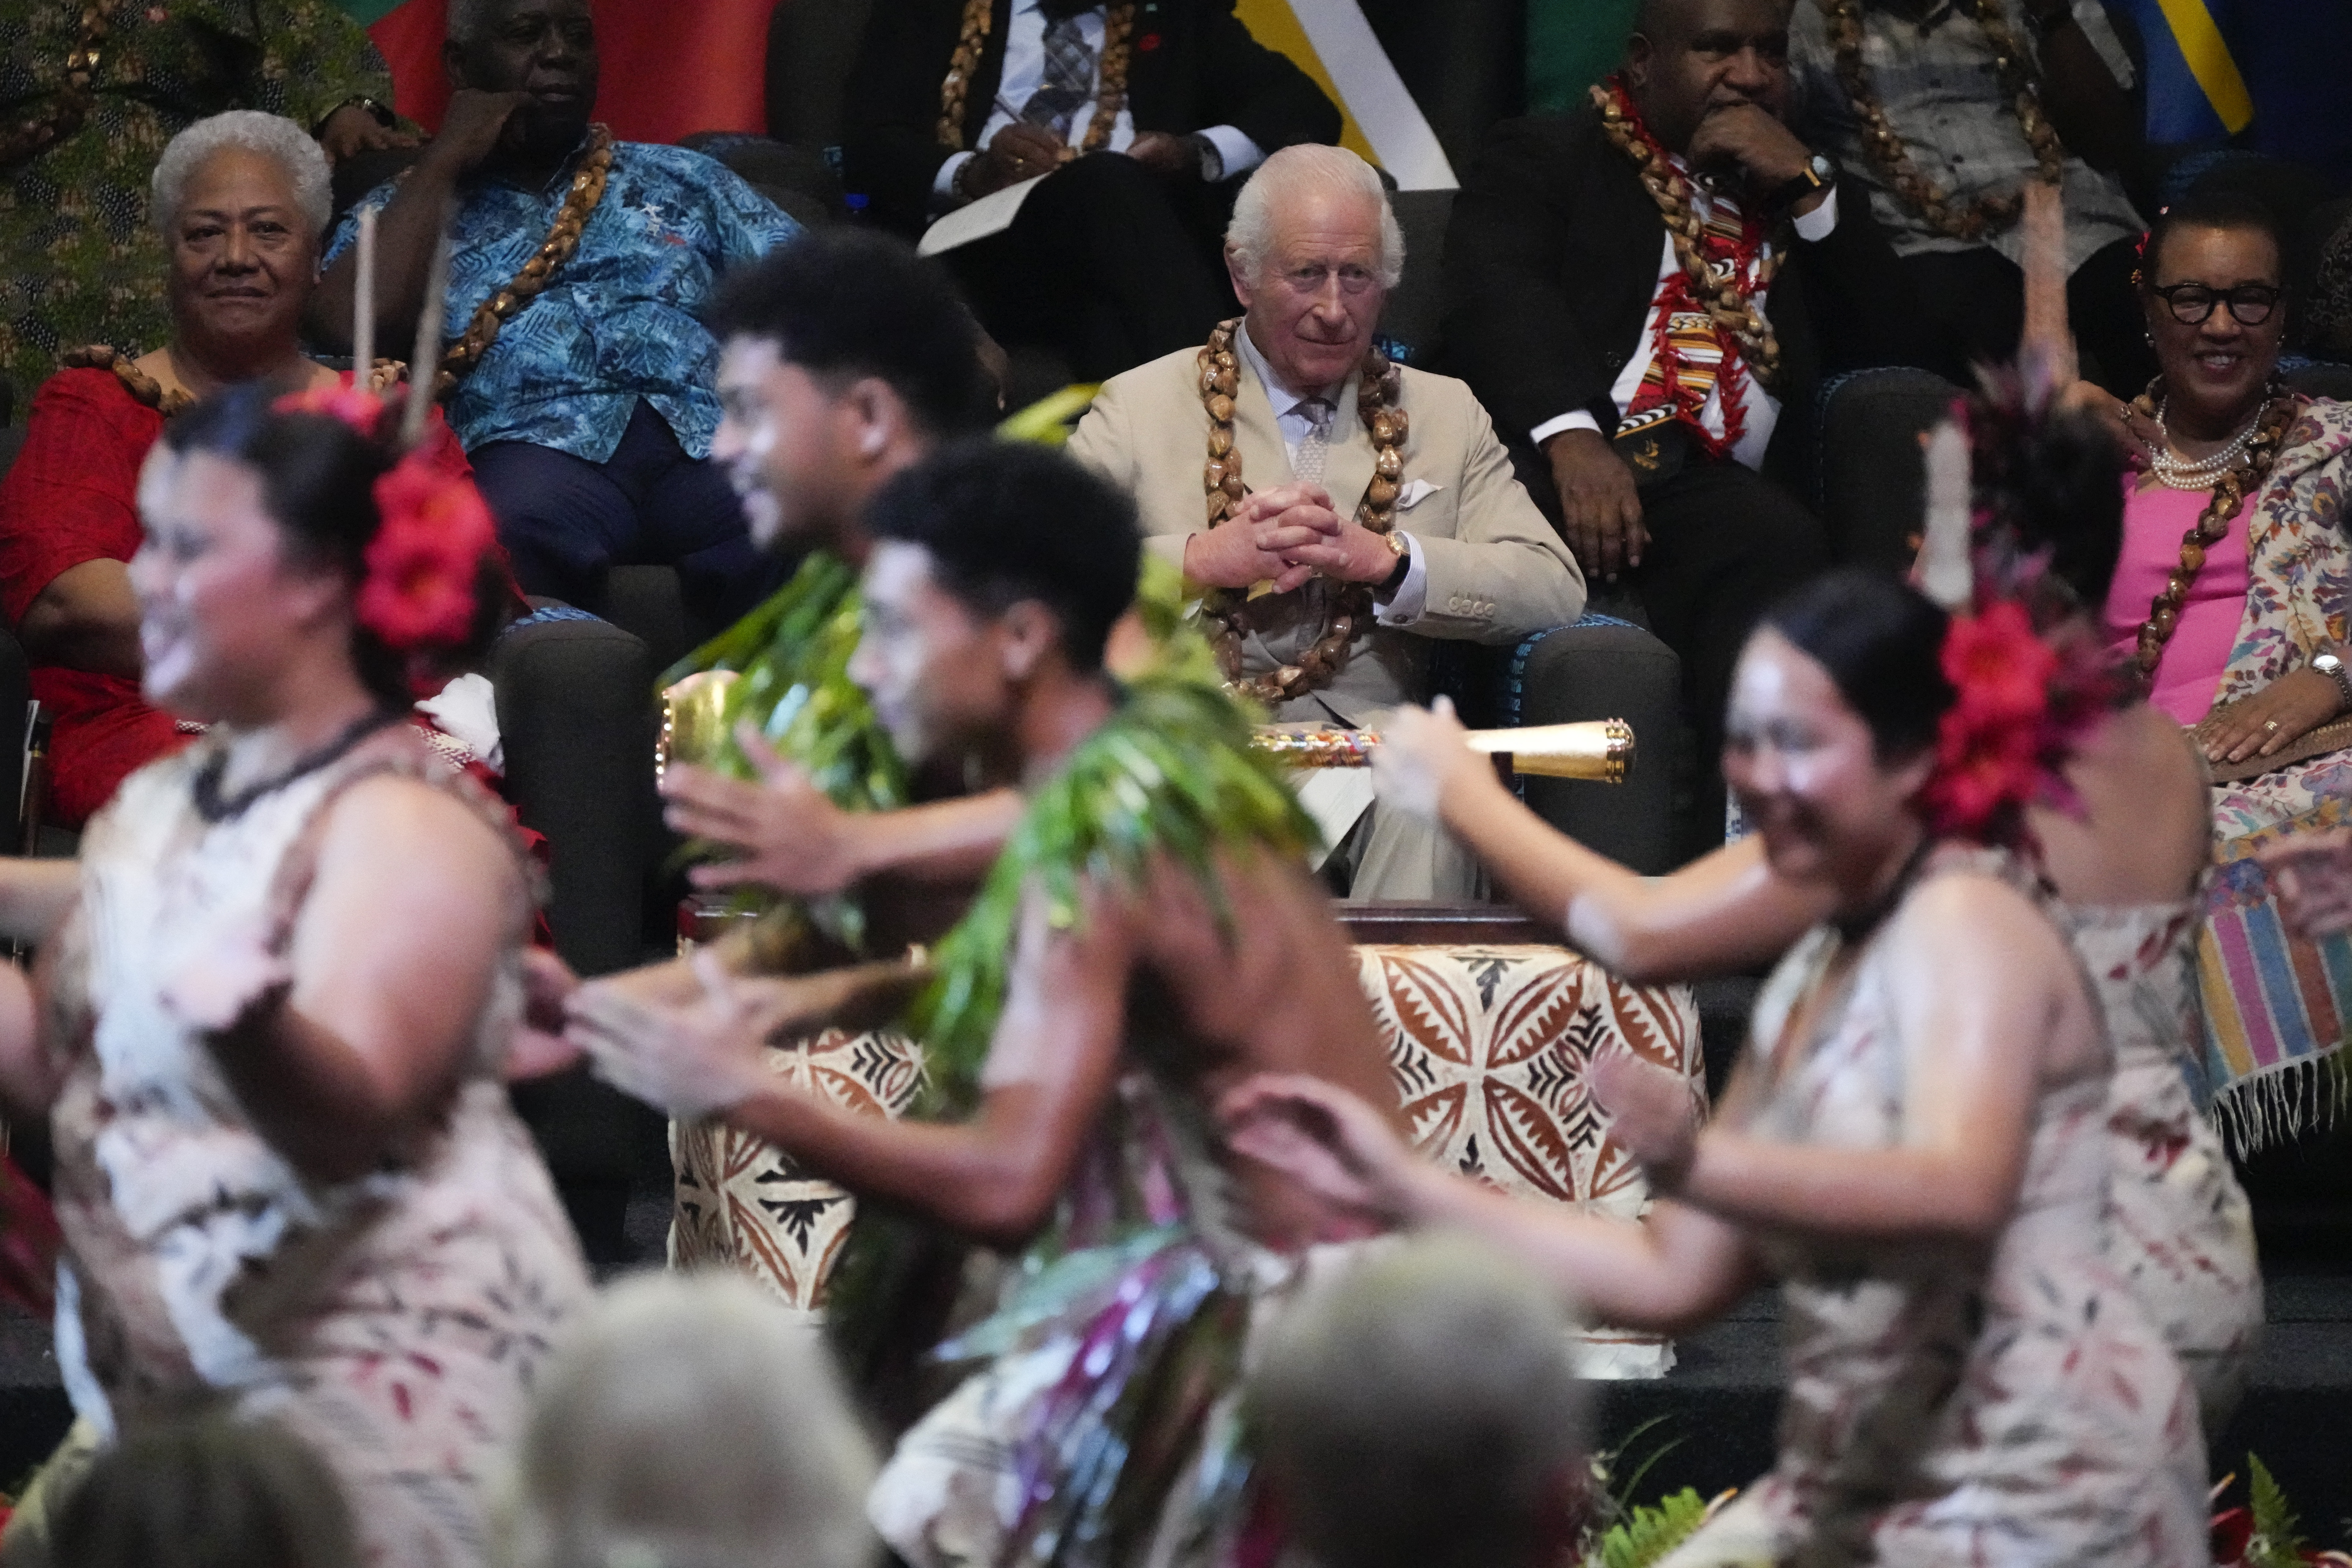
(1727, 293)
(1110, 94)
(561, 244)
(2244, 475)
(1892, 163)
(1376, 396)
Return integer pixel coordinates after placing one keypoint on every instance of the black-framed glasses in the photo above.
(2191, 303)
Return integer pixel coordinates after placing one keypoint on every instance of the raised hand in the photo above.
(692, 1058)
(1333, 1143)
(1751, 138)
(1651, 1114)
(1420, 751)
(783, 832)
(540, 1048)
(471, 128)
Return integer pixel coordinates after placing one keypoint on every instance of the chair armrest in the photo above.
(577, 717)
(1869, 475)
(1602, 668)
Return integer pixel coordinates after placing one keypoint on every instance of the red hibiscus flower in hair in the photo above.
(360, 409)
(1990, 745)
(423, 562)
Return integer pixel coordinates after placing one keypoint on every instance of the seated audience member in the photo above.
(688, 1419)
(1146, 118)
(241, 200)
(1421, 1409)
(211, 1492)
(1384, 515)
(1646, 293)
(583, 375)
(2232, 591)
(79, 258)
(1940, 114)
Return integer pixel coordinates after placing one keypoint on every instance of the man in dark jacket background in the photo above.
(1647, 382)
(1146, 114)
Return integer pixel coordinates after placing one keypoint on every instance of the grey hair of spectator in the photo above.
(272, 136)
(693, 1422)
(1421, 1409)
(1289, 176)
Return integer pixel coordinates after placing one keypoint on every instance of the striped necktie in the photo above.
(1070, 81)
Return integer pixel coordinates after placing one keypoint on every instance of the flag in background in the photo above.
(1571, 44)
(2266, 72)
(671, 67)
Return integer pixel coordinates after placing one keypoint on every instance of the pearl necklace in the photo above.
(2181, 474)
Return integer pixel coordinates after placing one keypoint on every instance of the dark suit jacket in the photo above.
(1193, 65)
(1552, 265)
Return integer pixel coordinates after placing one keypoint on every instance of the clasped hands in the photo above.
(1285, 536)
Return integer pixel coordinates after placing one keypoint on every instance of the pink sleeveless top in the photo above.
(2190, 670)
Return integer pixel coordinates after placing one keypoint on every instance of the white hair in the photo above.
(1288, 176)
(1421, 1408)
(691, 1421)
(272, 136)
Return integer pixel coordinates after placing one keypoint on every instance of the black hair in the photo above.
(855, 302)
(1882, 642)
(2223, 208)
(1007, 521)
(208, 1492)
(2054, 479)
(318, 482)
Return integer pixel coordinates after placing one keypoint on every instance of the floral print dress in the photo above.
(2179, 1230)
(394, 1320)
(1948, 1407)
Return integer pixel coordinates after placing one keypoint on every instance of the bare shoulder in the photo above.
(1967, 916)
(394, 821)
(2145, 827)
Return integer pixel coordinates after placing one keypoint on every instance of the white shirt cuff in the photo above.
(1412, 594)
(1241, 154)
(1817, 225)
(943, 183)
(1579, 420)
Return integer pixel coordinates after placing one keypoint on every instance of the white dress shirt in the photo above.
(1292, 417)
(1762, 409)
(1024, 73)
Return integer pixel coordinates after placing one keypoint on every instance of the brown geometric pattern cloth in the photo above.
(1491, 1048)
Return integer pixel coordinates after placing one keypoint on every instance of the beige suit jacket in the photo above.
(1497, 572)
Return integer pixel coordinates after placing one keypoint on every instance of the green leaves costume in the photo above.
(790, 659)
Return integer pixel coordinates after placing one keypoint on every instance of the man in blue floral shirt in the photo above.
(590, 413)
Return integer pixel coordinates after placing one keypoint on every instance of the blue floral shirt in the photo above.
(620, 321)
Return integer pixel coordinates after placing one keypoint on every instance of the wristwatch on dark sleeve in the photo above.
(2331, 664)
(1212, 157)
(1818, 175)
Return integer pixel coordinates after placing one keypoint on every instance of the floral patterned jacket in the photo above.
(2299, 594)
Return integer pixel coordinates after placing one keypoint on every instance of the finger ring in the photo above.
(2272, 725)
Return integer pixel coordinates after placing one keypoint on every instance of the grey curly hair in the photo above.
(272, 136)
(1289, 174)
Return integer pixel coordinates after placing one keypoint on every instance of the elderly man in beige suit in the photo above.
(1314, 250)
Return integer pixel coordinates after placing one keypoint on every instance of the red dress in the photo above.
(70, 497)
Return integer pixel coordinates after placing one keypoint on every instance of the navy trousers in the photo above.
(566, 522)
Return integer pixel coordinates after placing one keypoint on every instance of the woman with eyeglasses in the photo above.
(2231, 594)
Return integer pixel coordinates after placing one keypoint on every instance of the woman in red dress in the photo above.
(243, 200)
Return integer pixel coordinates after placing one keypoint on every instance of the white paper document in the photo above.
(991, 215)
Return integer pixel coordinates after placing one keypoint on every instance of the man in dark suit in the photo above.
(1146, 114)
(1647, 384)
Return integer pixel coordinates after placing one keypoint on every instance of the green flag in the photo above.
(1571, 44)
